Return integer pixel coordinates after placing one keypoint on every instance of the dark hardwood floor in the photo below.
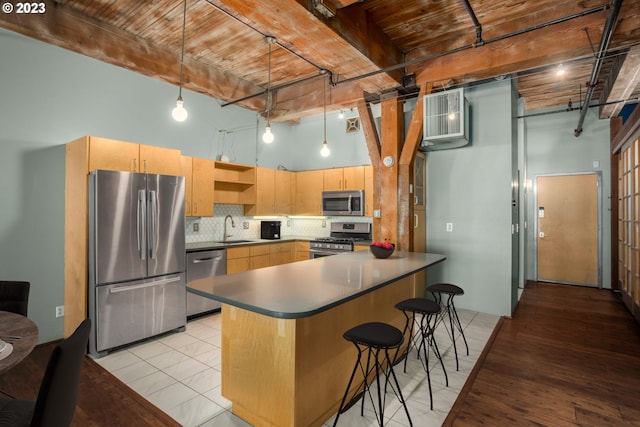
(570, 356)
(102, 399)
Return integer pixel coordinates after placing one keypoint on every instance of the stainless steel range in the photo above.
(343, 237)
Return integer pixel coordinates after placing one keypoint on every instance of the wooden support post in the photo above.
(391, 129)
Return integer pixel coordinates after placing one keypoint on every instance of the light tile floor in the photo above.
(180, 374)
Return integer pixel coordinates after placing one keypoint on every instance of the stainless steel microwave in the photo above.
(343, 203)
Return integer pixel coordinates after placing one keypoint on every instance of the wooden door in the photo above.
(419, 204)
(568, 237)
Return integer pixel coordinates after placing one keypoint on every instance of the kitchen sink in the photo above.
(230, 242)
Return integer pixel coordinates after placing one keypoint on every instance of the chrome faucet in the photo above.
(233, 225)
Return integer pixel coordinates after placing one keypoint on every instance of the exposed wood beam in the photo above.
(517, 53)
(626, 79)
(65, 28)
(295, 27)
(368, 127)
(392, 127)
(405, 172)
(354, 26)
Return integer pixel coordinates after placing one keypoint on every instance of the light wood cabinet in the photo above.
(199, 186)
(301, 251)
(186, 170)
(234, 184)
(360, 248)
(238, 259)
(274, 193)
(348, 178)
(110, 154)
(280, 253)
(309, 187)
(203, 187)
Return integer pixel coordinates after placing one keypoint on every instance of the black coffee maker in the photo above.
(270, 230)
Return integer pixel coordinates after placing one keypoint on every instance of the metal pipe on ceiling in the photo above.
(476, 23)
(471, 46)
(430, 57)
(569, 109)
(607, 33)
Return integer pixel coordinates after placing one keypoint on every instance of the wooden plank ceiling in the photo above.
(365, 48)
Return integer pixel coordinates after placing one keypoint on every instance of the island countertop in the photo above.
(306, 288)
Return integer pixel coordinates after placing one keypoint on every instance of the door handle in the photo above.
(415, 225)
(153, 223)
(140, 224)
(145, 285)
(541, 234)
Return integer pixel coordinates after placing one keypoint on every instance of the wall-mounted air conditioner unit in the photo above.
(446, 121)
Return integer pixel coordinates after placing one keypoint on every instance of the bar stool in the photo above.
(428, 311)
(373, 337)
(450, 309)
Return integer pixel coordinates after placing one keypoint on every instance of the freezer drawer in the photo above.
(136, 310)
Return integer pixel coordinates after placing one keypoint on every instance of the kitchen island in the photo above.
(284, 361)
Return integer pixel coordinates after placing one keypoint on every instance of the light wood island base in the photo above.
(293, 372)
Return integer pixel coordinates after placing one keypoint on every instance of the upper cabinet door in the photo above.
(353, 178)
(284, 192)
(109, 154)
(332, 179)
(309, 192)
(203, 187)
(159, 160)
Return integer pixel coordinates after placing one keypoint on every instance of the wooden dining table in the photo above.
(19, 331)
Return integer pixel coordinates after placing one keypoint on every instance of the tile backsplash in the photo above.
(212, 228)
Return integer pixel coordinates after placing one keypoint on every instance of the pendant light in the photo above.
(179, 113)
(268, 137)
(324, 151)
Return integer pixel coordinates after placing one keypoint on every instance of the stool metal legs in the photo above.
(454, 322)
(364, 388)
(426, 338)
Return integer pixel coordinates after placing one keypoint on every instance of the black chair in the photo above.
(373, 337)
(428, 311)
(56, 402)
(449, 308)
(14, 296)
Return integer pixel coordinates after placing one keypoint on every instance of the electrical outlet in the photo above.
(196, 227)
(288, 223)
(245, 225)
(59, 310)
(449, 227)
(324, 223)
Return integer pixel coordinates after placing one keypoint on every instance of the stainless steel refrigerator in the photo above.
(136, 257)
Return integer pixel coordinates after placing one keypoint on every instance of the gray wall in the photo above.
(471, 188)
(552, 148)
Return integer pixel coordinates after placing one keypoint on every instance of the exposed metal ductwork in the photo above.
(607, 33)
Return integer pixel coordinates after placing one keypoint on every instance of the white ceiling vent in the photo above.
(446, 120)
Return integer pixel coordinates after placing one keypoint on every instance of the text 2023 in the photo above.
(30, 7)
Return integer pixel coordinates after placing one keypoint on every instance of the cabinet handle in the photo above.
(145, 166)
(135, 165)
(195, 207)
(415, 200)
(415, 225)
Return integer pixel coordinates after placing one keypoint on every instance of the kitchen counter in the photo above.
(204, 246)
(306, 288)
(282, 330)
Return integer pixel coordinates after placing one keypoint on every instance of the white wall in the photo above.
(471, 188)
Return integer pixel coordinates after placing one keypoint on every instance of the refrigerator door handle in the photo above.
(153, 223)
(144, 285)
(140, 224)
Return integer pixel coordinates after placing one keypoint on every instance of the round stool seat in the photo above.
(446, 288)
(419, 305)
(375, 334)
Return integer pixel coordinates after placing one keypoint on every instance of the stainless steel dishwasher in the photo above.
(200, 265)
